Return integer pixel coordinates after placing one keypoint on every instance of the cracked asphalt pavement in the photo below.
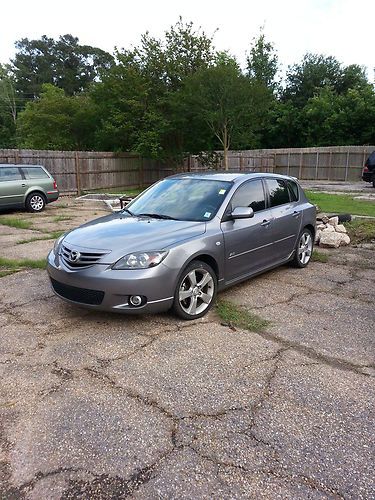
(101, 406)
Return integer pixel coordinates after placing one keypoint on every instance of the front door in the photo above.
(248, 242)
(12, 186)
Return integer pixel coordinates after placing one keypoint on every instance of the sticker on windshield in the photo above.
(207, 215)
(222, 191)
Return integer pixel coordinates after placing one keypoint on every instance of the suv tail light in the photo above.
(54, 184)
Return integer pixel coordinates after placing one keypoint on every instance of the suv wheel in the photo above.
(35, 202)
(304, 248)
(196, 290)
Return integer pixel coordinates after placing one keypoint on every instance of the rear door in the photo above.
(287, 215)
(248, 242)
(37, 178)
(12, 186)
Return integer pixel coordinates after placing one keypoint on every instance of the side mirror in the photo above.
(242, 213)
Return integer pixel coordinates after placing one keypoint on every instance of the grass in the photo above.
(236, 316)
(117, 190)
(10, 266)
(361, 230)
(341, 203)
(61, 218)
(50, 236)
(319, 256)
(17, 223)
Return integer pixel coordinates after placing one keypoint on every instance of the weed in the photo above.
(237, 316)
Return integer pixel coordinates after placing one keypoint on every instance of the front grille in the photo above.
(86, 259)
(82, 295)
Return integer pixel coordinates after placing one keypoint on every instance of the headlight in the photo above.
(140, 260)
(56, 246)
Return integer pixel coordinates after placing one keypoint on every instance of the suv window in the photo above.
(250, 194)
(293, 190)
(34, 173)
(10, 174)
(279, 193)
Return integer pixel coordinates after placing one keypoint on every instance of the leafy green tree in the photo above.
(8, 108)
(56, 121)
(63, 62)
(262, 62)
(231, 106)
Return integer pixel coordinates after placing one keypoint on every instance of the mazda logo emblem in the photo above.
(74, 256)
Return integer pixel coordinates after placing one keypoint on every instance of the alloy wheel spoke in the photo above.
(206, 298)
(205, 280)
(193, 278)
(193, 306)
(185, 294)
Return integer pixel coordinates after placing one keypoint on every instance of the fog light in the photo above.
(135, 300)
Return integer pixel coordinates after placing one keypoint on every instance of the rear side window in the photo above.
(279, 194)
(250, 194)
(34, 173)
(10, 174)
(293, 191)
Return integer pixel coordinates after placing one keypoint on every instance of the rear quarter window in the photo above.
(34, 173)
(293, 191)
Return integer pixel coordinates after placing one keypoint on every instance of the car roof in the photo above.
(4, 165)
(229, 176)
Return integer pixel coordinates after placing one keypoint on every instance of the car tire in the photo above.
(304, 248)
(35, 202)
(373, 181)
(195, 291)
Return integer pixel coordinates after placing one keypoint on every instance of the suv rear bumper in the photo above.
(52, 196)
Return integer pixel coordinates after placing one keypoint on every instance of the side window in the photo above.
(10, 174)
(34, 173)
(278, 190)
(293, 191)
(250, 194)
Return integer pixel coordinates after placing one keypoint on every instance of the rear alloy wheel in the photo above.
(35, 202)
(304, 248)
(195, 291)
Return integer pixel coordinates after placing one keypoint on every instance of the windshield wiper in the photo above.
(156, 216)
(128, 211)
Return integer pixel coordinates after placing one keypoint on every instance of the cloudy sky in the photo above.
(342, 28)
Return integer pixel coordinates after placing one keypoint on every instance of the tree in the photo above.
(63, 63)
(262, 62)
(57, 121)
(8, 108)
(231, 106)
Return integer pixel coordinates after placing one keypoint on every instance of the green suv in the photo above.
(29, 186)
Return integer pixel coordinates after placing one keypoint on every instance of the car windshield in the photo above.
(181, 199)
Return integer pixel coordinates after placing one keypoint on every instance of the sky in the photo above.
(341, 28)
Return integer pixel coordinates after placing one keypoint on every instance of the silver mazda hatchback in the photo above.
(182, 240)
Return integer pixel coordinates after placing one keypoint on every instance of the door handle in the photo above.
(265, 222)
(296, 214)
(23, 185)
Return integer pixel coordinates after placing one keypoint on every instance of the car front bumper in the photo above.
(102, 288)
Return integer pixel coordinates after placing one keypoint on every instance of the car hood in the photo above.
(119, 234)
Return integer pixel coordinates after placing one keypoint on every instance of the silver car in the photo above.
(182, 240)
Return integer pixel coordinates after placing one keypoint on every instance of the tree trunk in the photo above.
(225, 146)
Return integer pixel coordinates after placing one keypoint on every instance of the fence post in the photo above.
(288, 171)
(300, 166)
(241, 163)
(316, 165)
(347, 165)
(141, 173)
(78, 173)
(330, 165)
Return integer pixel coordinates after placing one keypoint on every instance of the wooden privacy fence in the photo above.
(336, 163)
(77, 171)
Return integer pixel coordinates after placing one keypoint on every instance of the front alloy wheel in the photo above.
(304, 249)
(195, 291)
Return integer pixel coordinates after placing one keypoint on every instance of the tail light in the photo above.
(54, 184)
